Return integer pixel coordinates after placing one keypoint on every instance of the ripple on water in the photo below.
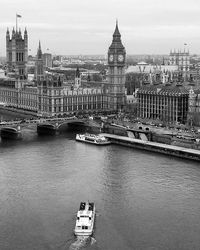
(144, 200)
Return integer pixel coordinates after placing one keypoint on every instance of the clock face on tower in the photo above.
(120, 58)
(111, 58)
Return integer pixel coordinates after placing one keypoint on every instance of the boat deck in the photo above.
(85, 219)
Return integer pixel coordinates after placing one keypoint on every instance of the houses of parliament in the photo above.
(49, 94)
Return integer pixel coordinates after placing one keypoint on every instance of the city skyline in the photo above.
(86, 27)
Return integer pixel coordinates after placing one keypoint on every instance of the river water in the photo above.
(143, 200)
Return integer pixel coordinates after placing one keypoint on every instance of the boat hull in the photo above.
(91, 142)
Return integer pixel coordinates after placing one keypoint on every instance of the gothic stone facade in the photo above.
(115, 95)
(17, 52)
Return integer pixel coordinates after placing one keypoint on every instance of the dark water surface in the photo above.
(143, 200)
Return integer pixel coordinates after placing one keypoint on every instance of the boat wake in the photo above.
(81, 242)
(92, 241)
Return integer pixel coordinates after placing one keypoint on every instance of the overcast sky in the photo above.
(86, 26)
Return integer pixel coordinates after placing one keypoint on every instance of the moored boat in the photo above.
(85, 219)
(93, 139)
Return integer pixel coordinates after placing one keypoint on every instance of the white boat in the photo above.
(94, 139)
(85, 219)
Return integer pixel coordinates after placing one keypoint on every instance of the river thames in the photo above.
(143, 200)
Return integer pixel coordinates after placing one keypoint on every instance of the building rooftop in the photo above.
(147, 68)
(177, 89)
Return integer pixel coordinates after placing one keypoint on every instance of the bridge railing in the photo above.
(4, 123)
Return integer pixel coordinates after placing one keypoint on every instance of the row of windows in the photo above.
(8, 93)
(161, 110)
(19, 56)
(28, 103)
(50, 109)
(32, 98)
(165, 101)
(24, 102)
(82, 107)
(51, 92)
(82, 99)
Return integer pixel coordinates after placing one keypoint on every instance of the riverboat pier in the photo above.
(181, 152)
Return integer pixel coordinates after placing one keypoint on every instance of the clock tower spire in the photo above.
(116, 72)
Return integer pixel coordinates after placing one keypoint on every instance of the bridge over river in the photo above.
(48, 126)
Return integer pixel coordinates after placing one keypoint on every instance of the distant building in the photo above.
(167, 103)
(182, 60)
(31, 67)
(143, 73)
(17, 52)
(47, 60)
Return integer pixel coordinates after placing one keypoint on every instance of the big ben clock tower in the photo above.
(116, 73)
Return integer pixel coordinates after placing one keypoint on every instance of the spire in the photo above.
(25, 35)
(20, 34)
(116, 35)
(7, 34)
(163, 60)
(77, 73)
(25, 32)
(13, 32)
(116, 42)
(39, 52)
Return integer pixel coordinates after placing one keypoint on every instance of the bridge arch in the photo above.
(70, 124)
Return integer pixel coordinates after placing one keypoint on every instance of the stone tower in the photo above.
(39, 66)
(17, 52)
(77, 78)
(116, 73)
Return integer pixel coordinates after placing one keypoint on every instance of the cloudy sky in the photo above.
(86, 26)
